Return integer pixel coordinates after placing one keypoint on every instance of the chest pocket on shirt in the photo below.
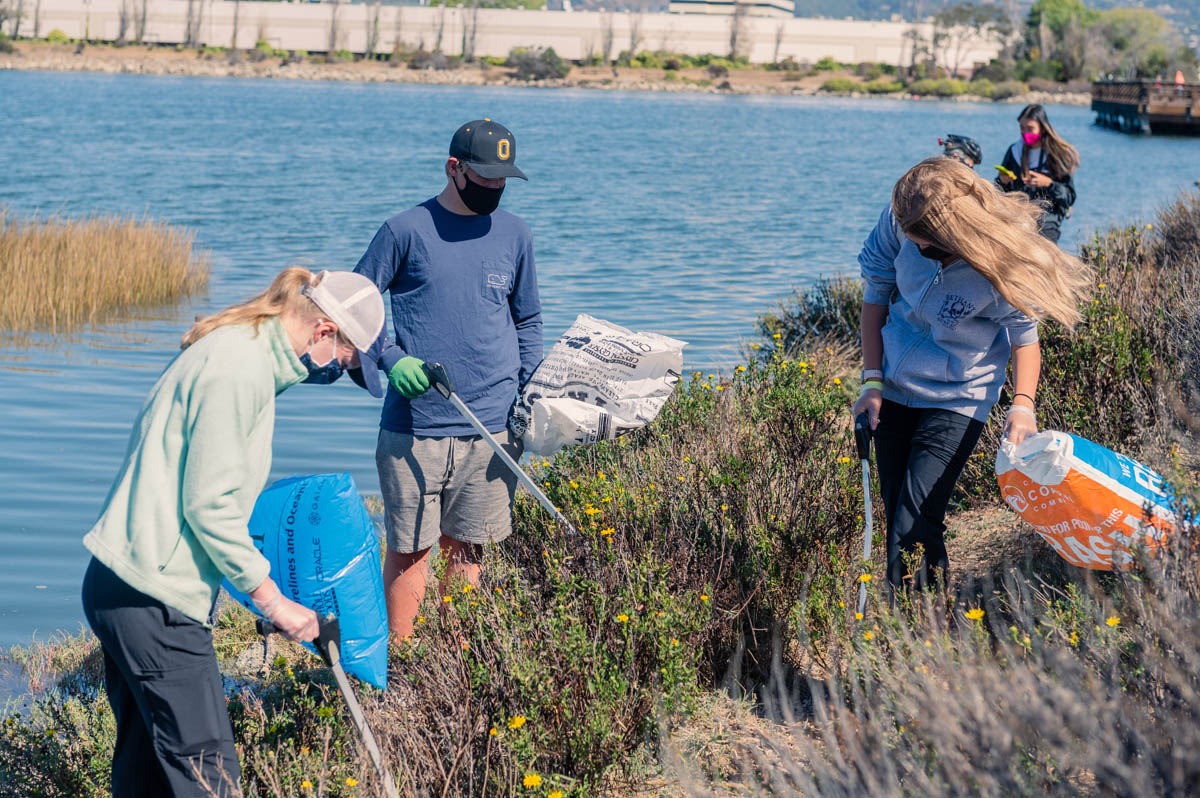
(495, 281)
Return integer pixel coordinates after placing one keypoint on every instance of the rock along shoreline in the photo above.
(136, 60)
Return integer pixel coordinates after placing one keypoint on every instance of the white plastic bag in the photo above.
(598, 381)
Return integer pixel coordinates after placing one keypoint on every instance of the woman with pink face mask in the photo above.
(1042, 163)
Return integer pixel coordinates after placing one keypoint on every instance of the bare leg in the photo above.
(464, 562)
(404, 578)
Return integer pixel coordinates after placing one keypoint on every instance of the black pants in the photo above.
(920, 453)
(160, 672)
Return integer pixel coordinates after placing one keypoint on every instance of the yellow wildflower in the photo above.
(601, 475)
(842, 604)
(351, 781)
(1112, 619)
(304, 749)
(1102, 285)
(837, 381)
(864, 578)
(591, 510)
(574, 484)
(420, 619)
(554, 794)
(607, 532)
(606, 499)
(974, 614)
(659, 614)
(777, 336)
(868, 635)
(623, 618)
(674, 641)
(448, 599)
(687, 459)
(843, 459)
(306, 785)
(741, 368)
(724, 506)
(516, 722)
(803, 364)
(704, 597)
(467, 588)
(681, 479)
(532, 780)
(1073, 639)
(858, 616)
(492, 732)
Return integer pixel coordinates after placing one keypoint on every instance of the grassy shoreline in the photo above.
(133, 59)
(64, 273)
(698, 637)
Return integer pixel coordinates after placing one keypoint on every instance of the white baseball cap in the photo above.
(353, 303)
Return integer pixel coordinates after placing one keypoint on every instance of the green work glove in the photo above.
(408, 377)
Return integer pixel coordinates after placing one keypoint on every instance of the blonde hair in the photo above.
(945, 202)
(283, 296)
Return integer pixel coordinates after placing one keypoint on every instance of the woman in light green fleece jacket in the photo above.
(175, 522)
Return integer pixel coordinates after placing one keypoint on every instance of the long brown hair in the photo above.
(282, 296)
(1061, 157)
(945, 202)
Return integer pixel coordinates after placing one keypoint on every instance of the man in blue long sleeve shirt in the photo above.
(460, 275)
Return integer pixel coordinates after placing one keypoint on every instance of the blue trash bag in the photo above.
(321, 544)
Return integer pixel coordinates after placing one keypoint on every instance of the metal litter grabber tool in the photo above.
(328, 644)
(862, 442)
(441, 381)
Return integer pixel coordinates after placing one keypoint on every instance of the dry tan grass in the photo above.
(59, 274)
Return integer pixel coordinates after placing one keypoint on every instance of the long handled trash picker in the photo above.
(328, 643)
(862, 441)
(441, 381)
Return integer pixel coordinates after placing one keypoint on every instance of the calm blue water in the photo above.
(686, 214)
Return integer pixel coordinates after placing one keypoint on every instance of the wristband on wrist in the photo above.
(1027, 396)
(872, 374)
(870, 385)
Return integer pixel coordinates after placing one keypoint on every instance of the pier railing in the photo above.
(1136, 105)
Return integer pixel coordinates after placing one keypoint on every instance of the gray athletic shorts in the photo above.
(456, 487)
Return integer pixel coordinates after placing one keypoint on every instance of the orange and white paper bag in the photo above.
(1090, 503)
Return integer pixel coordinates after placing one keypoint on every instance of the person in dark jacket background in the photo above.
(1042, 163)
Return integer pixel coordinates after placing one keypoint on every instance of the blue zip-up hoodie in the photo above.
(946, 342)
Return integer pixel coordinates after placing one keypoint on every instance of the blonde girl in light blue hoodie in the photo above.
(175, 522)
(956, 279)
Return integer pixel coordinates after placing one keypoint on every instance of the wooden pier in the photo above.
(1141, 106)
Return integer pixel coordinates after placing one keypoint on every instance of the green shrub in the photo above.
(881, 86)
(841, 84)
(941, 87)
(717, 70)
(56, 36)
(788, 64)
(670, 75)
(341, 55)
(981, 87)
(1009, 88)
(494, 60)
(827, 64)
(538, 64)
(5, 44)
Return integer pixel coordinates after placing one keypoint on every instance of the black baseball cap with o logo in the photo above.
(489, 148)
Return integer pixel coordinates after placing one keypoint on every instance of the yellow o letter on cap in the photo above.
(503, 149)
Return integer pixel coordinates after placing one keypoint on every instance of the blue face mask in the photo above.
(322, 375)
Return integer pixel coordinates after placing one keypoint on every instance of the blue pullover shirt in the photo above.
(949, 332)
(464, 294)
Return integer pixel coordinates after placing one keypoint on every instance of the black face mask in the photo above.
(478, 199)
(321, 375)
(934, 252)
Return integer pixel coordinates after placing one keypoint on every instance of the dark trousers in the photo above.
(160, 672)
(920, 453)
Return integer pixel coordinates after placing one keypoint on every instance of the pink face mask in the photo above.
(1031, 139)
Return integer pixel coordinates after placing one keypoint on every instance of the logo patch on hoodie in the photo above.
(954, 308)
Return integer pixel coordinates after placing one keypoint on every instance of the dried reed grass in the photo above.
(60, 274)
